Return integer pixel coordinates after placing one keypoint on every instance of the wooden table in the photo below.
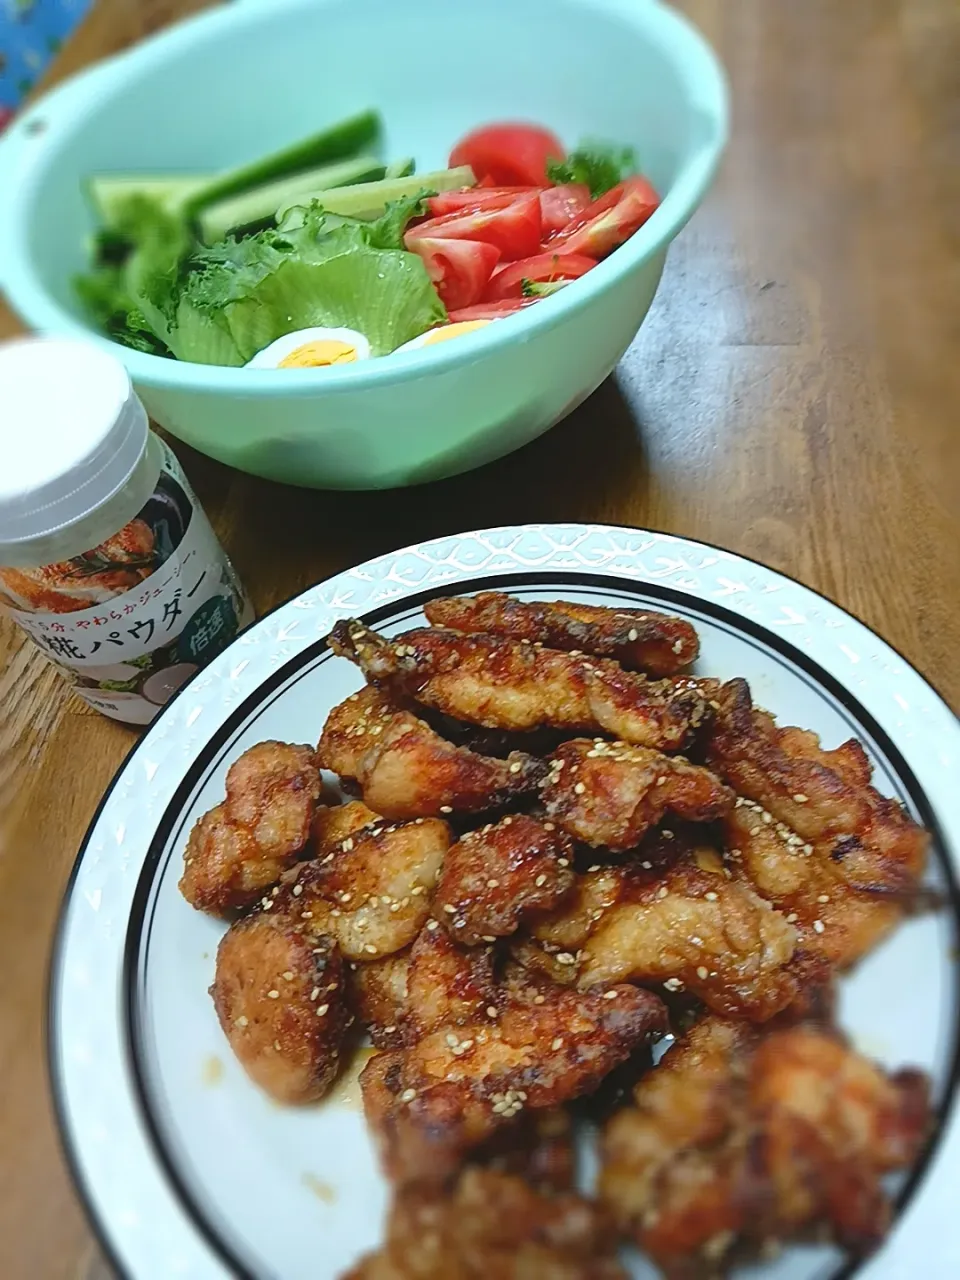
(794, 395)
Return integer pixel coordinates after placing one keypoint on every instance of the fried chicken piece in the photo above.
(407, 770)
(609, 794)
(279, 995)
(740, 1138)
(373, 889)
(860, 844)
(689, 928)
(505, 684)
(447, 986)
(534, 1045)
(492, 1226)
(242, 845)
(639, 639)
(537, 1147)
(378, 994)
(499, 874)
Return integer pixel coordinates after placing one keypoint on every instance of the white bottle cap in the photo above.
(71, 432)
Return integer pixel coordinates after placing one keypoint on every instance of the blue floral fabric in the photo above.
(31, 32)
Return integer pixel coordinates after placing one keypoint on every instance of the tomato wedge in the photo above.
(560, 205)
(474, 198)
(515, 229)
(491, 310)
(459, 269)
(609, 221)
(511, 154)
(508, 281)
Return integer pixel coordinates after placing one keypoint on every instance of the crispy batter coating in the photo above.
(242, 845)
(505, 684)
(378, 995)
(492, 1226)
(408, 771)
(824, 797)
(689, 927)
(279, 995)
(740, 1138)
(500, 873)
(535, 1044)
(609, 794)
(639, 639)
(373, 889)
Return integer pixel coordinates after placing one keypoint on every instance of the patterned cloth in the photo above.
(31, 32)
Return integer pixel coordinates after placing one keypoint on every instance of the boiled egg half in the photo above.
(433, 336)
(313, 349)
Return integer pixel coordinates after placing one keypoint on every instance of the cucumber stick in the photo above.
(400, 168)
(256, 208)
(109, 192)
(369, 199)
(338, 142)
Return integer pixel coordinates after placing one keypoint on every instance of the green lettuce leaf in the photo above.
(599, 165)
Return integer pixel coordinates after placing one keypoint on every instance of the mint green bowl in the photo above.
(252, 75)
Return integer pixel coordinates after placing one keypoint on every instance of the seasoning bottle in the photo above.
(107, 560)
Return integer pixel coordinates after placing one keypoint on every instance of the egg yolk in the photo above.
(453, 331)
(319, 354)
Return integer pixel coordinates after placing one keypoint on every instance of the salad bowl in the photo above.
(250, 76)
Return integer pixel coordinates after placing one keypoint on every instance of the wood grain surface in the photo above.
(794, 396)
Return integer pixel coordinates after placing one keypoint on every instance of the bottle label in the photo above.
(134, 618)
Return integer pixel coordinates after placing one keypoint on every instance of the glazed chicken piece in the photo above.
(639, 639)
(609, 794)
(744, 1139)
(505, 684)
(279, 996)
(690, 928)
(533, 1045)
(241, 846)
(492, 1226)
(372, 889)
(378, 996)
(818, 839)
(408, 771)
(495, 876)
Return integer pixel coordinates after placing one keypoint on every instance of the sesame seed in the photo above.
(276, 1045)
(564, 957)
(243, 1020)
(673, 984)
(314, 993)
(336, 913)
(549, 826)
(487, 937)
(516, 766)
(696, 940)
(800, 798)
(493, 884)
(557, 1043)
(540, 880)
(711, 896)
(408, 1095)
(452, 1040)
(678, 646)
(345, 897)
(633, 634)
(370, 949)
(415, 892)
(491, 1011)
(662, 891)
(539, 999)
(288, 975)
(824, 897)
(306, 915)
(432, 924)
(792, 918)
(347, 845)
(266, 903)
(703, 973)
(446, 808)
(274, 994)
(392, 1027)
(450, 910)
(297, 890)
(563, 862)
(646, 866)
(394, 906)
(610, 995)
(818, 926)
(507, 822)
(322, 1009)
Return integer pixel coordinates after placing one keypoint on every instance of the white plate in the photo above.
(186, 1168)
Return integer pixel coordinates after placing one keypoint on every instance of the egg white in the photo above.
(430, 338)
(270, 357)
